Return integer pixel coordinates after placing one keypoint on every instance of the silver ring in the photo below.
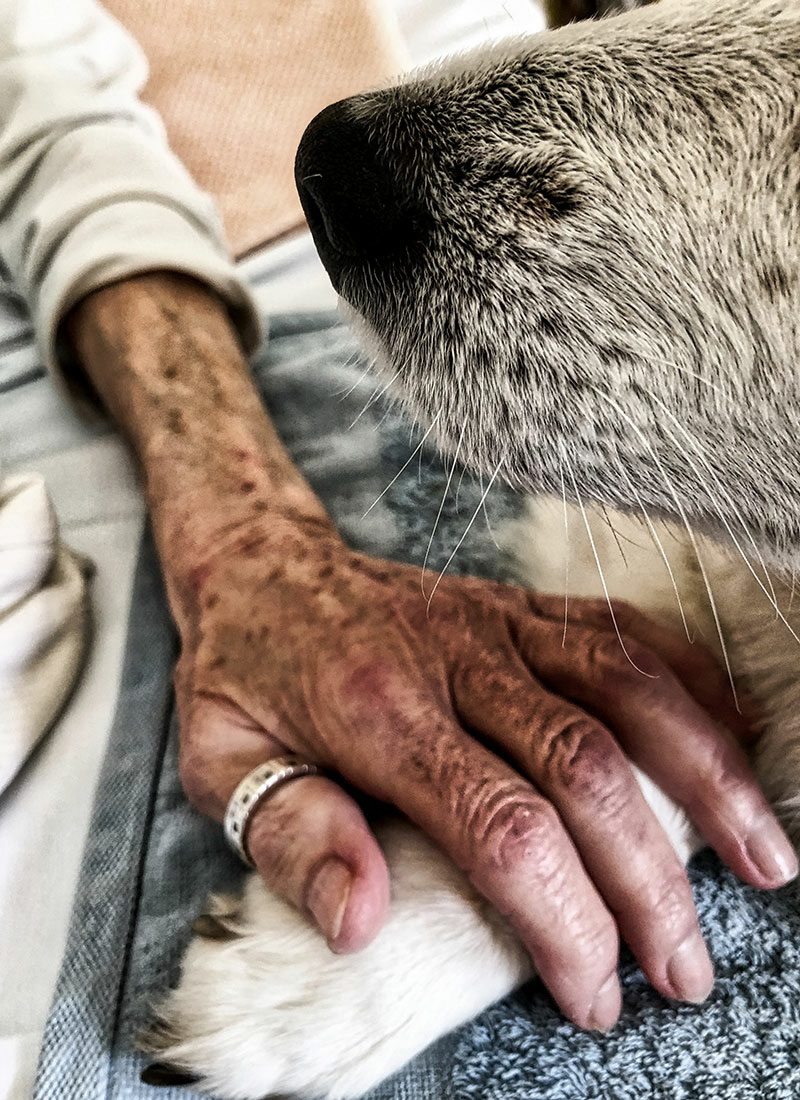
(252, 790)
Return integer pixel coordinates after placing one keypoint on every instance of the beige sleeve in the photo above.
(89, 190)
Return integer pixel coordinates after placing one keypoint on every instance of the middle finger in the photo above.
(577, 764)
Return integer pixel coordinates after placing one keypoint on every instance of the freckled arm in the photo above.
(164, 358)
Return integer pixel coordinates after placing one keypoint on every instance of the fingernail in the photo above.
(606, 1006)
(690, 972)
(772, 853)
(327, 896)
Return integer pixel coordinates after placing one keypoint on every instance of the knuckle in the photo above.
(515, 827)
(274, 842)
(727, 791)
(597, 945)
(368, 681)
(581, 757)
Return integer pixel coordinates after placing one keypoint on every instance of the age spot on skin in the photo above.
(175, 422)
(249, 548)
(198, 576)
(247, 487)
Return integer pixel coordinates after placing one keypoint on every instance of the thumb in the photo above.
(308, 838)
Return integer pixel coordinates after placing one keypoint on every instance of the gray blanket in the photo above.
(151, 860)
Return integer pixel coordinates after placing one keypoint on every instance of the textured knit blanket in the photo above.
(151, 859)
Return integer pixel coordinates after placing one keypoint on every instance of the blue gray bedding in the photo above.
(151, 859)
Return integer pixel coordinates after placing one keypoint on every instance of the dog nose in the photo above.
(351, 199)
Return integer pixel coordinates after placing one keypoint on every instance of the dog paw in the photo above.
(263, 1006)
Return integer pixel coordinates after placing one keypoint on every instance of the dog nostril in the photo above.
(317, 212)
(352, 202)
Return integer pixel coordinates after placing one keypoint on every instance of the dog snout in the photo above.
(352, 200)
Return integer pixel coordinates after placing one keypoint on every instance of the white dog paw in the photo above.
(264, 1007)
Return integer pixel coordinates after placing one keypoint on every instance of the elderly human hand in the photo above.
(509, 749)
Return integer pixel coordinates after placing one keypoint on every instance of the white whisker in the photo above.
(565, 459)
(704, 573)
(697, 449)
(660, 547)
(467, 529)
(614, 532)
(376, 427)
(486, 513)
(769, 593)
(441, 508)
(403, 467)
(706, 381)
(377, 394)
(458, 486)
(344, 394)
(713, 605)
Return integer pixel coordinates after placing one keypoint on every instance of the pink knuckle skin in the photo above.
(593, 947)
(368, 684)
(723, 787)
(581, 757)
(729, 782)
(518, 832)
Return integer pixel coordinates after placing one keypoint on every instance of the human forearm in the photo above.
(165, 360)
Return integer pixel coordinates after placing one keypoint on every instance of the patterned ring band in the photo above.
(252, 790)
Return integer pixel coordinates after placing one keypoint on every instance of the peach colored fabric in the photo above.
(236, 82)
